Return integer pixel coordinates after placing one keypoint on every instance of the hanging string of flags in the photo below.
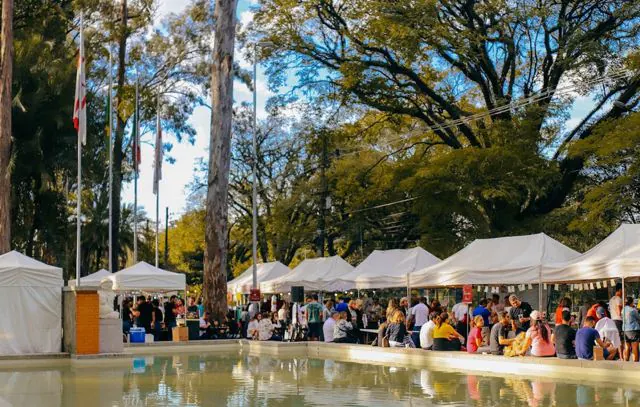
(597, 285)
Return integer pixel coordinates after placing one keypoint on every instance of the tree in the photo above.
(439, 63)
(6, 81)
(215, 259)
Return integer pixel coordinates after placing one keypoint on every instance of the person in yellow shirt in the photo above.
(445, 337)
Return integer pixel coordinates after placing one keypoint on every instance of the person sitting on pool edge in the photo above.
(474, 340)
(343, 332)
(397, 332)
(587, 337)
(426, 332)
(564, 337)
(444, 336)
(499, 337)
(538, 338)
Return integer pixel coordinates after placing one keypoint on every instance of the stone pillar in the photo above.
(81, 322)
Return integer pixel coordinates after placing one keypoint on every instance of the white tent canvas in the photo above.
(265, 271)
(389, 268)
(145, 277)
(31, 302)
(321, 274)
(93, 279)
(503, 260)
(616, 256)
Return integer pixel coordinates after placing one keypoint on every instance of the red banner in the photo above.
(467, 293)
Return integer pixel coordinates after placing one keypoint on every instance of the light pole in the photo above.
(254, 182)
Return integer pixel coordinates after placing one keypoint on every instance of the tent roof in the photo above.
(16, 269)
(92, 279)
(321, 274)
(616, 256)
(266, 272)
(503, 260)
(389, 268)
(145, 277)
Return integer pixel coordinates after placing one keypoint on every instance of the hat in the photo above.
(535, 316)
(600, 312)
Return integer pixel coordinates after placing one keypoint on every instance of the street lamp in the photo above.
(254, 209)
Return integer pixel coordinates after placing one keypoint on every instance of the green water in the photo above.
(247, 380)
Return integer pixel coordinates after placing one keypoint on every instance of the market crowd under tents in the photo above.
(265, 272)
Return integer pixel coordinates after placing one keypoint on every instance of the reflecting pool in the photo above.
(239, 379)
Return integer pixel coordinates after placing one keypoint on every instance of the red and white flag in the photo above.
(80, 103)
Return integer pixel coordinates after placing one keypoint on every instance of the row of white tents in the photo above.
(528, 259)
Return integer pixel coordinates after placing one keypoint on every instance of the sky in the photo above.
(176, 176)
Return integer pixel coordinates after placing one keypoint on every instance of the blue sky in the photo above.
(176, 176)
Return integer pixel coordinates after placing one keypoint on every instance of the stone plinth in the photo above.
(111, 336)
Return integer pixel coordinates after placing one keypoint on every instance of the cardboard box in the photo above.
(180, 334)
(598, 353)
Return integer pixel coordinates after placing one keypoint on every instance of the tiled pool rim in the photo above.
(609, 371)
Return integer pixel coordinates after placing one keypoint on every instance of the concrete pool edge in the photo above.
(617, 371)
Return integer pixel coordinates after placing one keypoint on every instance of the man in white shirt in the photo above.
(253, 310)
(607, 329)
(419, 316)
(265, 328)
(274, 303)
(615, 307)
(426, 332)
(329, 325)
(460, 315)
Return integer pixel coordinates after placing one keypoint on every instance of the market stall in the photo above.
(145, 277)
(321, 274)
(391, 268)
(31, 303)
(265, 271)
(93, 279)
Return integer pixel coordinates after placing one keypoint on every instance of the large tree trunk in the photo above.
(215, 259)
(118, 154)
(6, 76)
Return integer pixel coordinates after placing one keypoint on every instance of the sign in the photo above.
(467, 293)
(254, 295)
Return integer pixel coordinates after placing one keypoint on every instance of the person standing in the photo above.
(144, 314)
(497, 305)
(631, 327)
(169, 313)
(460, 313)
(314, 318)
(615, 308)
(419, 316)
(200, 308)
(156, 320)
(565, 304)
(520, 314)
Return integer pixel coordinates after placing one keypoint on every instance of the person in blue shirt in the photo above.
(587, 337)
(631, 328)
(482, 310)
(342, 305)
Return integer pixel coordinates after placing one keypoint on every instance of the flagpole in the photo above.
(135, 179)
(79, 197)
(110, 127)
(158, 158)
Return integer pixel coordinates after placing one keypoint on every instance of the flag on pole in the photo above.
(157, 174)
(80, 103)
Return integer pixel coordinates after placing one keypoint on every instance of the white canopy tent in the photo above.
(321, 274)
(31, 303)
(617, 256)
(503, 260)
(145, 277)
(93, 279)
(265, 271)
(391, 268)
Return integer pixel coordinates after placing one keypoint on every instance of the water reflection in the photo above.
(250, 380)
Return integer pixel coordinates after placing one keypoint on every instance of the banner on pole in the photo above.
(467, 293)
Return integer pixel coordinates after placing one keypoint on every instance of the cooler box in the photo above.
(136, 335)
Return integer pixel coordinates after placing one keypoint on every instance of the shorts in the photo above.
(605, 353)
(632, 336)
(315, 329)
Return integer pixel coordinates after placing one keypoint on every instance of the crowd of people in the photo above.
(499, 326)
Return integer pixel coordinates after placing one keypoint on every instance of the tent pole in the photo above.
(409, 286)
(540, 289)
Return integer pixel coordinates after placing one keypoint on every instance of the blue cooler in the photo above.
(136, 335)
